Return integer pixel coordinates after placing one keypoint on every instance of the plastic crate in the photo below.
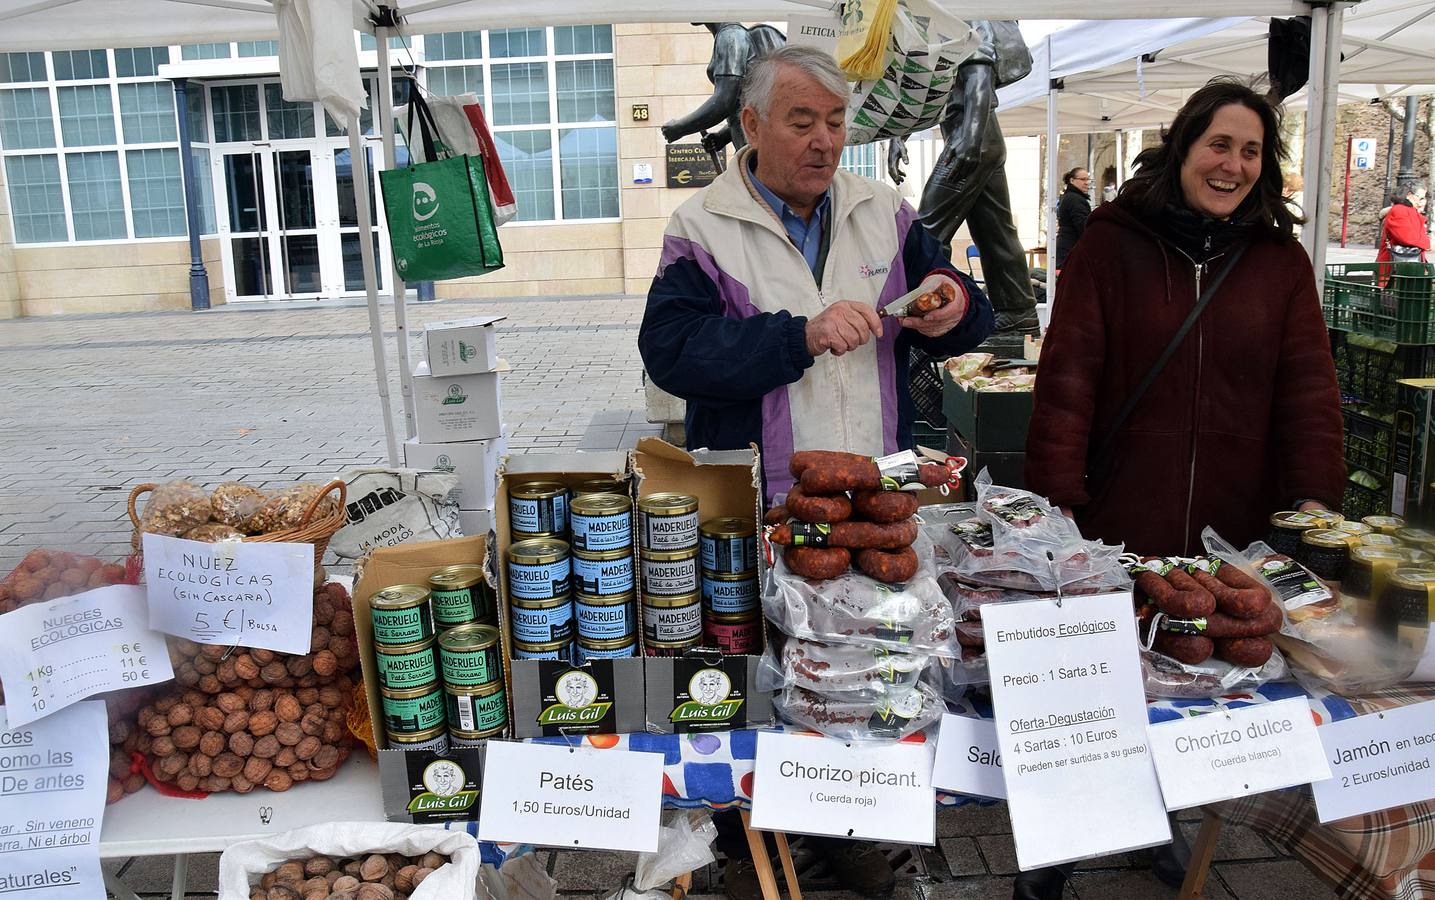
(924, 381)
(1391, 301)
(1369, 443)
(928, 435)
(1361, 501)
(1368, 369)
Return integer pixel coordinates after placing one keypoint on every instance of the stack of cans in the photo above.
(540, 599)
(428, 706)
(668, 547)
(602, 533)
(732, 619)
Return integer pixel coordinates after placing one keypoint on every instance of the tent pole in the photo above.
(1120, 158)
(1053, 144)
(1326, 28)
(401, 316)
(360, 165)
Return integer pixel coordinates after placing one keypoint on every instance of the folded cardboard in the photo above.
(476, 521)
(414, 789)
(557, 698)
(462, 346)
(991, 421)
(450, 408)
(474, 462)
(703, 690)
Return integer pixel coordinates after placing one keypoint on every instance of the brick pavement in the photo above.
(94, 405)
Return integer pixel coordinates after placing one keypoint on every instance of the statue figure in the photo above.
(969, 182)
(735, 47)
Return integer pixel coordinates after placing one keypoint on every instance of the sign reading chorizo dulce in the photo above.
(237, 593)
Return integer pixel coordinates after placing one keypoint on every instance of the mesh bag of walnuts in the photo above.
(234, 510)
(352, 861)
(333, 650)
(247, 738)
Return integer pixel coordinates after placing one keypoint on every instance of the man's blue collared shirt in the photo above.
(805, 236)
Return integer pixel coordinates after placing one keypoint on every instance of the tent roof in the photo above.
(1388, 48)
(65, 24)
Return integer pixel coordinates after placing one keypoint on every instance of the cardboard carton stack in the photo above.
(458, 414)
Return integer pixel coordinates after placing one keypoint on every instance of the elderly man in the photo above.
(763, 317)
(763, 314)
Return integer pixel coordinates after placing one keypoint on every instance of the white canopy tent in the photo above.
(64, 24)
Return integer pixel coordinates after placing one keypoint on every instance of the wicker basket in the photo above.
(316, 532)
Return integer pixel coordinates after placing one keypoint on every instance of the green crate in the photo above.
(928, 435)
(1361, 501)
(1369, 443)
(1368, 369)
(1391, 301)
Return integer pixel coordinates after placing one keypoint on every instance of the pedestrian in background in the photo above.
(1403, 237)
(1071, 212)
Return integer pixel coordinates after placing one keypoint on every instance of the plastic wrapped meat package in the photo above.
(852, 608)
(838, 668)
(856, 716)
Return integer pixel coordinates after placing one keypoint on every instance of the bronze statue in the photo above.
(735, 47)
(969, 182)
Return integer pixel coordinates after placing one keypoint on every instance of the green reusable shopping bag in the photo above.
(440, 215)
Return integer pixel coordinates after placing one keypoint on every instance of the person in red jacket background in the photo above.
(1402, 231)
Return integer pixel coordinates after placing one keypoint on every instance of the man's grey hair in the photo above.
(761, 79)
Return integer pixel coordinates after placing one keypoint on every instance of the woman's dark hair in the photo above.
(1066, 179)
(1157, 181)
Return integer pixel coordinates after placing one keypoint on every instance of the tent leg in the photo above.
(401, 316)
(1053, 145)
(1326, 28)
(366, 254)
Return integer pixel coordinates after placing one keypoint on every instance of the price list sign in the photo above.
(1071, 726)
(55, 654)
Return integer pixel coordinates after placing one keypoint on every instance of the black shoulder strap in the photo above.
(1135, 396)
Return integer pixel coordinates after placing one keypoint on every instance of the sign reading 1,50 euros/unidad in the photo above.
(238, 593)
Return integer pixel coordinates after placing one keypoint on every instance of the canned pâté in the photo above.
(469, 656)
(728, 545)
(673, 620)
(460, 596)
(555, 650)
(401, 615)
(476, 711)
(604, 574)
(730, 595)
(619, 649)
(598, 486)
(406, 667)
(602, 619)
(541, 621)
(602, 522)
(538, 569)
(670, 574)
(433, 739)
(413, 711)
(668, 522)
(538, 507)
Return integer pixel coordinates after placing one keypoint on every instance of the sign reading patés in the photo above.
(969, 761)
(1377, 761)
(817, 785)
(559, 796)
(1249, 750)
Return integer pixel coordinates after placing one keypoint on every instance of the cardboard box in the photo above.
(1412, 493)
(452, 408)
(609, 692)
(990, 421)
(474, 462)
(476, 521)
(412, 790)
(703, 691)
(462, 346)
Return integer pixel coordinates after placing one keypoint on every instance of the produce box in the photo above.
(450, 408)
(990, 421)
(412, 790)
(551, 698)
(474, 462)
(462, 346)
(703, 691)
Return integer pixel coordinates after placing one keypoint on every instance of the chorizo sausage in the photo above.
(1243, 603)
(804, 506)
(777, 515)
(854, 535)
(888, 567)
(885, 506)
(831, 472)
(1252, 652)
(1180, 600)
(1191, 649)
(1221, 625)
(817, 562)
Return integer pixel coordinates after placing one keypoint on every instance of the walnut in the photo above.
(214, 784)
(285, 758)
(165, 704)
(173, 764)
(431, 860)
(424, 871)
(245, 667)
(334, 732)
(262, 723)
(187, 781)
(374, 892)
(210, 718)
(114, 791)
(227, 765)
(263, 657)
(290, 873)
(134, 782)
(236, 504)
(404, 879)
(331, 697)
(342, 623)
(299, 772)
(261, 700)
(286, 509)
(274, 673)
(186, 737)
(180, 714)
(158, 726)
(227, 672)
(319, 865)
(230, 703)
(241, 743)
(278, 780)
(288, 709)
(283, 892)
(352, 868)
(210, 684)
(346, 883)
(313, 723)
(333, 875)
(326, 758)
(306, 748)
(325, 663)
(162, 746)
(201, 764)
(241, 785)
(374, 868)
(256, 769)
(307, 696)
(266, 747)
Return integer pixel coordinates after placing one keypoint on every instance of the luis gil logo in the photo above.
(444, 464)
(425, 201)
(446, 789)
(577, 696)
(455, 396)
(709, 691)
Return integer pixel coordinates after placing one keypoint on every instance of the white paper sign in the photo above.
(807, 784)
(817, 30)
(571, 797)
(52, 797)
(968, 758)
(58, 653)
(1377, 761)
(236, 593)
(1071, 725)
(1250, 750)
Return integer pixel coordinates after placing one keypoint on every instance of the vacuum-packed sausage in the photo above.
(885, 506)
(1221, 625)
(1253, 652)
(832, 471)
(1187, 600)
(804, 506)
(888, 567)
(817, 562)
(1243, 603)
(1191, 649)
(855, 535)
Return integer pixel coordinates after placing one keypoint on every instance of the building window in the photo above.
(97, 202)
(147, 113)
(204, 51)
(80, 65)
(21, 67)
(258, 48)
(37, 204)
(236, 113)
(87, 117)
(551, 101)
(140, 62)
(156, 192)
(287, 120)
(204, 183)
(861, 159)
(25, 122)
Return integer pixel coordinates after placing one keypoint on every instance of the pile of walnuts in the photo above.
(379, 876)
(248, 738)
(333, 650)
(233, 510)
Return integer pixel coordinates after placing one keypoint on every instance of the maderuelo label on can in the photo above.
(599, 532)
(539, 581)
(471, 667)
(415, 713)
(670, 577)
(673, 624)
(541, 624)
(477, 712)
(622, 650)
(406, 668)
(604, 621)
(728, 555)
(667, 533)
(603, 577)
(561, 651)
(730, 597)
(539, 515)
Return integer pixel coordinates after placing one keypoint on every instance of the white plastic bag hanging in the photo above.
(317, 56)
